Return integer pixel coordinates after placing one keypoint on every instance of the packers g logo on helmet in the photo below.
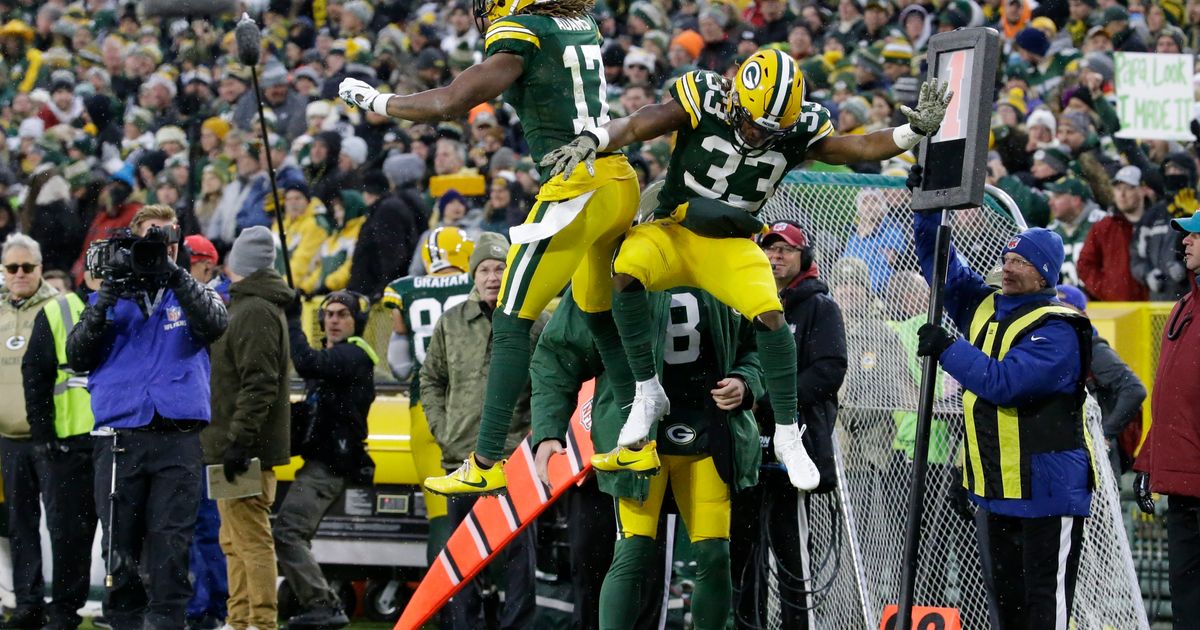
(447, 247)
(765, 102)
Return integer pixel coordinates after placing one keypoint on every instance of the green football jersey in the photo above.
(705, 162)
(562, 90)
(422, 300)
(689, 371)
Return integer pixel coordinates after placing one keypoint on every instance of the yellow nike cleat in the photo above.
(470, 479)
(642, 460)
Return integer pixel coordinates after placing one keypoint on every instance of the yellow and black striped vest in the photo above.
(1000, 441)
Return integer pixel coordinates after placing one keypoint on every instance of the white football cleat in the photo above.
(650, 403)
(789, 449)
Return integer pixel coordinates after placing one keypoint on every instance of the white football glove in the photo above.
(359, 94)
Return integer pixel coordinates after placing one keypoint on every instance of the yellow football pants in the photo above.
(427, 456)
(581, 252)
(700, 493)
(663, 255)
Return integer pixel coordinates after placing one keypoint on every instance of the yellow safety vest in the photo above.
(72, 402)
(1002, 440)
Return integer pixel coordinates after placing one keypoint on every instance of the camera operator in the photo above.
(60, 418)
(21, 299)
(329, 429)
(144, 339)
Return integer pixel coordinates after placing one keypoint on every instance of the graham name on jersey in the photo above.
(439, 282)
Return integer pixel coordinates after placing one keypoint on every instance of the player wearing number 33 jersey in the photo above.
(544, 57)
(735, 141)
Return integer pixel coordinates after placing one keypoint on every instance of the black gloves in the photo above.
(957, 495)
(236, 461)
(932, 341)
(915, 175)
(1141, 492)
(295, 307)
(106, 297)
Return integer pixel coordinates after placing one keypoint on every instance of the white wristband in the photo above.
(601, 136)
(379, 103)
(905, 137)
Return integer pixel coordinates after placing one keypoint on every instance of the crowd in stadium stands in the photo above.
(105, 110)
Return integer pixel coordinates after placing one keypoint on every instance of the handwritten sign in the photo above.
(1154, 95)
(924, 618)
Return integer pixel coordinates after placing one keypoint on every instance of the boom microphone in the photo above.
(249, 41)
(187, 8)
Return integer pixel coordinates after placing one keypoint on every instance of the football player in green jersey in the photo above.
(417, 302)
(734, 144)
(544, 56)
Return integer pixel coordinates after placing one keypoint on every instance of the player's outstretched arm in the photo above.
(646, 123)
(475, 85)
(923, 121)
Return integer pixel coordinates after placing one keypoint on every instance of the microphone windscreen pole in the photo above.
(188, 8)
(249, 41)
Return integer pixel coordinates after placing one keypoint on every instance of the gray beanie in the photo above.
(403, 169)
(253, 250)
(355, 148)
(489, 246)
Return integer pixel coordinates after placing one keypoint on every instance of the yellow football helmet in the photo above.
(492, 10)
(447, 247)
(765, 102)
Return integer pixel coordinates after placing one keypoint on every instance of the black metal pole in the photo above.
(262, 123)
(929, 366)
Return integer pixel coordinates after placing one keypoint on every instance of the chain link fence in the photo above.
(860, 227)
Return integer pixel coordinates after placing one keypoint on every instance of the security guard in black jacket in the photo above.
(59, 410)
(329, 430)
(816, 323)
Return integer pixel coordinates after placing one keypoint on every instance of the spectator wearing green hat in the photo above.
(1073, 214)
(1115, 21)
(332, 271)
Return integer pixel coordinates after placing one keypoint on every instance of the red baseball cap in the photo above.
(789, 231)
(201, 248)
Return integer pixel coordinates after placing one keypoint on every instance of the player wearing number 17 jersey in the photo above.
(417, 302)
(544, 56)
(735, 142)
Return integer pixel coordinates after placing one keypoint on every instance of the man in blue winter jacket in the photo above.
(1027, 458)
(145, 345)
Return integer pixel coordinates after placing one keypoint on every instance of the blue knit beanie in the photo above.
(1041, 247)
(1068, 294)
(1034, 41)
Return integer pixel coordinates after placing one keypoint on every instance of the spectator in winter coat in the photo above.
(1116, 388)
(1104, 265)
(332, 269)
(1156, 260)
(1169, 462)
(116, 211)
(306, 226)
(387, 240)
(1073, 213)
(50, 218)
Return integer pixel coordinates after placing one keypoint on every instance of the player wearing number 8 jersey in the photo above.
(417, 302)
(735, 142)
(545, 58)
